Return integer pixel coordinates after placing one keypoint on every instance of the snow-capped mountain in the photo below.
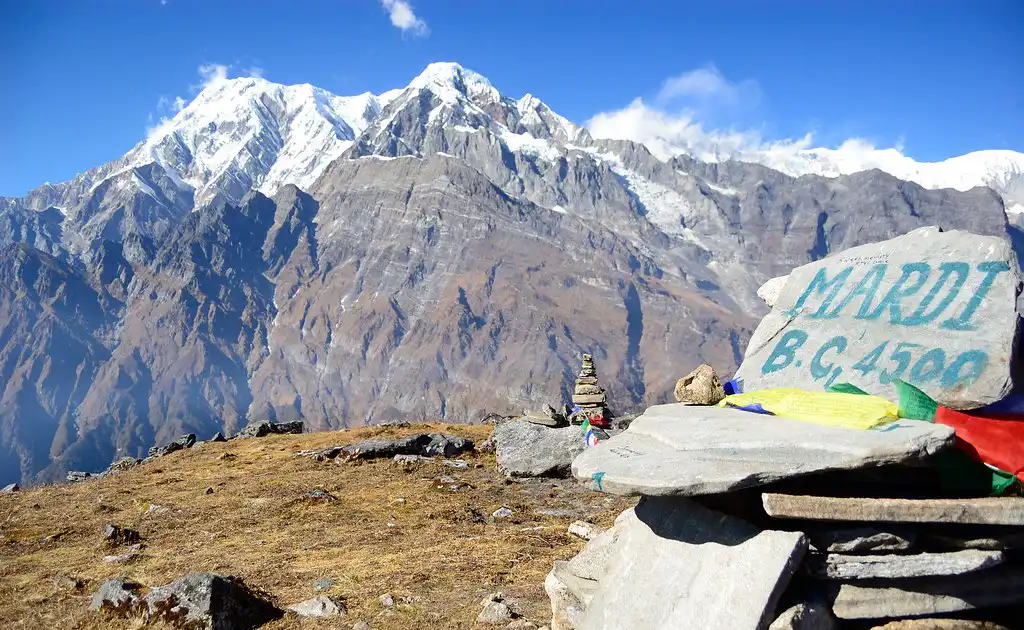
(436, 251)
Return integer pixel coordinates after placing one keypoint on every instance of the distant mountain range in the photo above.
(436, 251)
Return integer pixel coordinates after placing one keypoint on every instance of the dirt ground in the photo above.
(394, 529)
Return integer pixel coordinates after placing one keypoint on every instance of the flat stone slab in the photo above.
(936, 309)
(524, 449)
(679, 566)
(837, 566)
(988, 511)
(927, 596)
(684, 450)
(860, 539)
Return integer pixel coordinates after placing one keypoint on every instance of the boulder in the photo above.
(206, 601)
(685, 450)
(836, 566)
(529, 450)
(882, 599)
(937, 309)
(320, 606)
(569, 597)
(423, 444)
(498, 610)
(218, 437)
(118, 535)
(986, 511)
(264, 427)
(592, 561)
(183, 442)
(76, 476)
(805, 616)
(700, 387)
(117, 596)
(679, 565)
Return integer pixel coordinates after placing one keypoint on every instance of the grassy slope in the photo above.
(255, 524)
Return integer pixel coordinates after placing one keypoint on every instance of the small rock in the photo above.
(323, 584)
(157, 510)
(260, 429)
(495, 614)
(456, 463)
(387, 600)
(544, 419)
(120, 535)
(320, 606)
(447, 479)
(410, 459)
(502, 512)
(10, 488)
(320, 495)
(70, 583)
(809, 616)
(585, 530)
(209, 490)
(521, 624)
(555, 512)
(227, 457)
(128, 556)
(183, 442)
(76, 476)
(361, 625)
(700, 387)
(117, 596)
(124, 463)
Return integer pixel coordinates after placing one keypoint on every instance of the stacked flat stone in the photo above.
(588, 395)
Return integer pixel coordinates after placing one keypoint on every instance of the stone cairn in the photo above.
(589, 396)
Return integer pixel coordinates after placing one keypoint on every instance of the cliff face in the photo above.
(455, 258)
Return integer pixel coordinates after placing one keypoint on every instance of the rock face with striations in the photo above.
(440, 240)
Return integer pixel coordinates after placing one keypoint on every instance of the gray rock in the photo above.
(592, 561)
(569, 596)
(805, 616)
(583, 529)
(556, 512)
(954, 294)
(387, 600)
(859, 539)
(9, 488)
(847, 567)
(262, 428)
(423, 444)
(320, 606)
(544, 419)
(120, 535)
(75, 476)
(129, 555)
(678, 564)
(918, 597)
(456, 463)
(1000, 542)
(495, 614)
(320, 496)
(124, 463)
(529, 450)
(323, 584)
(684, 450)
(183, 442)
(987, 511)
(521, 624)
(218, 437)
(502, 512)
(117, 596)
(361, 625)
(206, 601)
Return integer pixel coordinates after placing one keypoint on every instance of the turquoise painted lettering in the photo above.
(820, 283)
(785, 351)
(949, 269)
(866, 288)
(991, 269)
(900, 290)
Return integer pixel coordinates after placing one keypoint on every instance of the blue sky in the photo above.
(83, 79)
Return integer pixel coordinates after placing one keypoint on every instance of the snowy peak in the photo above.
(451, 82)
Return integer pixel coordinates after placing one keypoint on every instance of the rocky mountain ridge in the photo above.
(438, 251)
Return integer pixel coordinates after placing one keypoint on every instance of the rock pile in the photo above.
(589, 396)
(706, 548)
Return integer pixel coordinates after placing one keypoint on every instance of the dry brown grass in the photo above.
(256, 525)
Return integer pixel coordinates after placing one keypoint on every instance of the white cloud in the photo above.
(402, 16)
(677, 123)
